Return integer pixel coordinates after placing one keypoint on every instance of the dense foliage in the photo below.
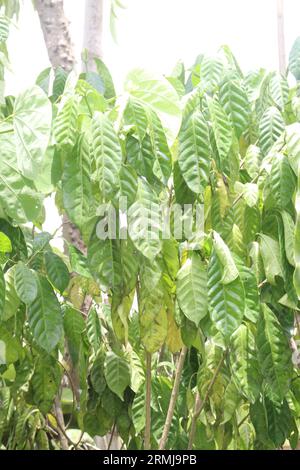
(207, 323)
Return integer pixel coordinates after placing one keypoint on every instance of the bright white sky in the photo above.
(156, 33)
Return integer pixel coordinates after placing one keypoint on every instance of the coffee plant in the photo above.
(165, 338)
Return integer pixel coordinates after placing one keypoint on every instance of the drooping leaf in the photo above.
(192, 289)
(270, 128)
(226, 302)
(106, 153)
(274, 355)
(74, 325)
(44, 316)
(117, 373)
(25, 283)
(234, 101)
(244, 362)
(57, 271)
(222, 130)
(194, 152)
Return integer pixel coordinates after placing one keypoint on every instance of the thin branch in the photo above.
(111, 435)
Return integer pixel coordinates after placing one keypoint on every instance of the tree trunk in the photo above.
(55, 27)
(93, 32)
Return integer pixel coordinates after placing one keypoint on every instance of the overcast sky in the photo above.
(156, 33)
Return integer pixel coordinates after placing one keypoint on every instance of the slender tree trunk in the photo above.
(55, 27)
(93, 32)
(61, 423)
(147, 437)
(173, 399)
(281, 36)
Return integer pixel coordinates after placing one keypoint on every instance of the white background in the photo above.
(156, 33)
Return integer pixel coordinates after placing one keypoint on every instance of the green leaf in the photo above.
(45, 382)
(244, 363)
(4, 28)
(104, 259)
(232, 400)
(10, 348)
(289, 231)
(109, 89)
(226, 302)
(235, 103)
(194, 152)
(25, 283)
(274, 355)
(65, 123)
(281, 182)
(117, 373)
(18, 195)
(159, 148)
(93, 329)
(12, 301)
(279, 90)
(143, 221)
(107, 155)
(128, 183)
(157, 93)
(252, 160)
(191, 288)
(270, 253)
(2, 292)
(292, 139)
(5, 243)
(76, 184)
(230, 271)
(270, 128)
(135, 115)
(153, 325)
(44, 316)
(249, 192)
(57, 271)
(296, 277)
(280, 421)
(32, 125)
(294, 59)
(74, 326)
(222, 130)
